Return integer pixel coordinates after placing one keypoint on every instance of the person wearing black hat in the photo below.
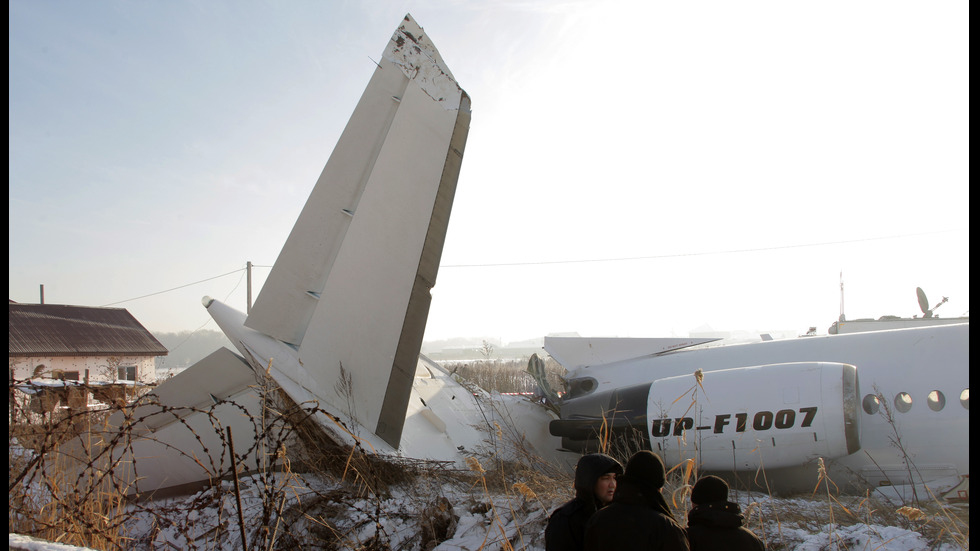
(638, 518)
(595, 483)
(715, 523)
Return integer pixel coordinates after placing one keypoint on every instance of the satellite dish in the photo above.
(923, 302)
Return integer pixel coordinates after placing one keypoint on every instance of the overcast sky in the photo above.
(632, 168)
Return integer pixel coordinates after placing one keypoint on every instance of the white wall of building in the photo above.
(99, 368)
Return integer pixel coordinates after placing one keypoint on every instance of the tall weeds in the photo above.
(309, 492)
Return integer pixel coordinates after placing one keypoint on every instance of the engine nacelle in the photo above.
(809, 410)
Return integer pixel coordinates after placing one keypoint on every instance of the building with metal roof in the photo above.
(79, 343)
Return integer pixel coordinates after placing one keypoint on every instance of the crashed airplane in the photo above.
(886, 410)
(340, 319)
(338, 324)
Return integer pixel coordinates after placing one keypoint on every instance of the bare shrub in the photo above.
(348, 498)
(506, 375)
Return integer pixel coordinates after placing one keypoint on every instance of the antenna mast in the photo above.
(841, 318)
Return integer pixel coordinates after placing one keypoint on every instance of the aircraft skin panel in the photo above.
(575, 352)
(288, 298)
(219, 375)
(351, 286)
(364, 309)
(393, 409)
(170, 436)
(925, 363)
(448, 421)
(358, 317)
(168, 457)
(803, 416)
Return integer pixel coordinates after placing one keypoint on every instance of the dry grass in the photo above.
(316, 494)
(506, 375)
(47, 497)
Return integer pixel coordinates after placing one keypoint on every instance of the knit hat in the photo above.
(646, 470)
(709, 489)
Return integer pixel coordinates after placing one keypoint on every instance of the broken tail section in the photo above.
(340, 320)
(351, 287)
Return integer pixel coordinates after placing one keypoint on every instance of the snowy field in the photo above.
(478, 510)
(499, 500)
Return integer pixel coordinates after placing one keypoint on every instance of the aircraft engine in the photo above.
(595, 421)
(777, 415)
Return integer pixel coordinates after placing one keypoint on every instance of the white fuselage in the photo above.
(921, 374)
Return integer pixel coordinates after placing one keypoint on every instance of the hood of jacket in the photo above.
(589, 469)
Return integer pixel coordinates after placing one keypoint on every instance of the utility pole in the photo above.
(42, 293)
(248, 270)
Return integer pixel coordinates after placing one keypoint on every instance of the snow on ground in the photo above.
(458, 512)
(420, 507)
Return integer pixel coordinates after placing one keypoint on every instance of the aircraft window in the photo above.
(936, 400)
(870, 404)
(903, 402)
(965, 399)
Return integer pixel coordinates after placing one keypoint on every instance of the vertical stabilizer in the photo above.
(340, 320)
(351, 287)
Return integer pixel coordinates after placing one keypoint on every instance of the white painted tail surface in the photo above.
(351, 286)
(339, 322)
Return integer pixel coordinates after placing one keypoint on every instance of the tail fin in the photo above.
(348, 295)
(351, 287)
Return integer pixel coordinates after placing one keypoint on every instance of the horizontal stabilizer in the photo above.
(219, 376)
(574, 352)
(176, 439)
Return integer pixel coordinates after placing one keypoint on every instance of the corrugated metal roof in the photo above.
(65, 330)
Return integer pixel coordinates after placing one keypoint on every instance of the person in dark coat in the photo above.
(638, 518)
(595, 483)
(714, 523)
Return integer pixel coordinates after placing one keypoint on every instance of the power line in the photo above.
(240, 278)
(174, 288)
(582, 261)
(190, 284)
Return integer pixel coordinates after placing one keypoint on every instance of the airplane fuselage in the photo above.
(881, 408)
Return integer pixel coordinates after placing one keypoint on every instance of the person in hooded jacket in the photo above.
(714, 523)
(638, 518)
(595, 483)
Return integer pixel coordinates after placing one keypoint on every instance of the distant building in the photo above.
(80, 343)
